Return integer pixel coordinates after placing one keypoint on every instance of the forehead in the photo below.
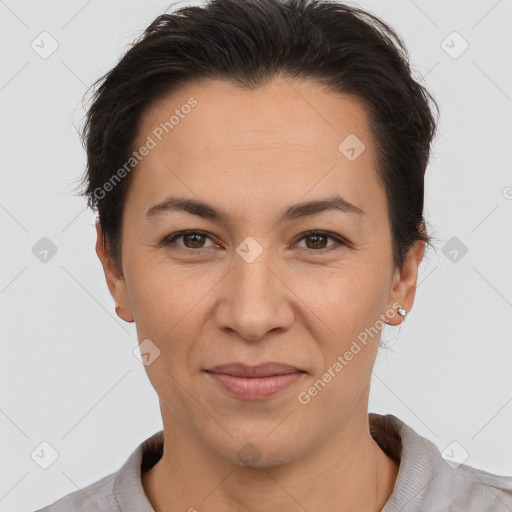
(298, 113)
(209, 137)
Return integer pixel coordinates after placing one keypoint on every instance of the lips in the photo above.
(259, 382)
(261, 370)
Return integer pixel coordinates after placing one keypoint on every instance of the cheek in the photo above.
(344, 309)
(347, 297)
(348, 301)
(162, 287)
(167, 302)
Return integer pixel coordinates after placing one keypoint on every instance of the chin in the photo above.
(258, 451)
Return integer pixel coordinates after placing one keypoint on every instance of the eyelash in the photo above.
(340, 241)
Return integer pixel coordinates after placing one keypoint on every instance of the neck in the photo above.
(347, 472)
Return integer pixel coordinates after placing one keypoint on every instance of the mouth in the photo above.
(254, 382)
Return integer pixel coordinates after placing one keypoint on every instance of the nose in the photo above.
(255, 298)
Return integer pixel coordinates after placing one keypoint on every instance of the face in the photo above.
(251, 285)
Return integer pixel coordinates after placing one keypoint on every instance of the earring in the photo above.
(403, 313)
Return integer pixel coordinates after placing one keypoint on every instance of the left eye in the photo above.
(317, 237)
(197, 238)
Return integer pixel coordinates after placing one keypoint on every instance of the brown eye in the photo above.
(317, 240)
(195, 239)
(191, 239)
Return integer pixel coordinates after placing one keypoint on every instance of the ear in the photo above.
(115, 280)
(405, 281)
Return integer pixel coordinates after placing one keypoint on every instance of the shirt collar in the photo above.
(414, 454)
(128, 488)
(418, 459)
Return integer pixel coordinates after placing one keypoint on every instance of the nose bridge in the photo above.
(253, 275)
(256, 300)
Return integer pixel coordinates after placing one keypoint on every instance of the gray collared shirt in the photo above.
(426, 482)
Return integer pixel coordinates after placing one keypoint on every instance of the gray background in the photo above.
(68, 373)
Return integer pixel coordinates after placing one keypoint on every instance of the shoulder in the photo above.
(97, 496)
(117, 491)
(468, 489)
(427, 482)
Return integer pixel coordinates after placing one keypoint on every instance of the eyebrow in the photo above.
(208, 211)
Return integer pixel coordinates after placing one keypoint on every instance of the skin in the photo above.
(254, 153)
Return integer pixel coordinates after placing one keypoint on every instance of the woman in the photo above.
(258, 172)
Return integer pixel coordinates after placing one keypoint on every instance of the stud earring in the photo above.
(403, 313)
